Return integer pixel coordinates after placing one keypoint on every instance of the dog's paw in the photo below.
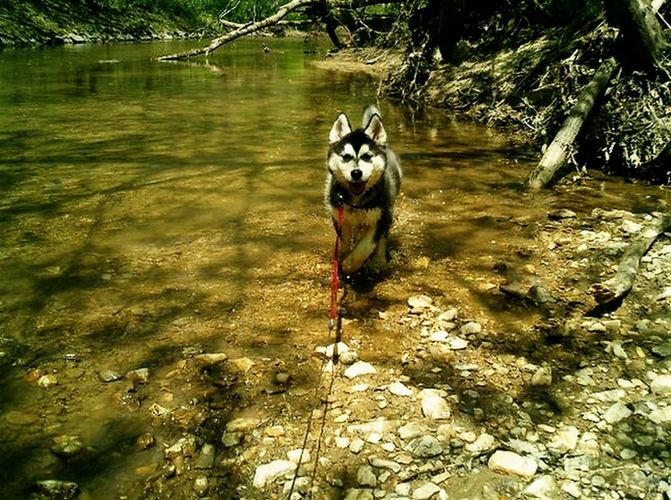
(377, 266)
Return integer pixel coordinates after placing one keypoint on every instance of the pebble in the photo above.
(425, 491)
(47, 381)
(19, 418)
(544, 487)
(434, 406)
(356, 445)
(565, 440)
(399, 389)
(661, 415)
(508, 462)
(366, 477)
(206, 457)
(268, 473)
(242, 424)
(471, 328)
(484, 443)
(381, 463)
(419, 303)
(200, 486)
(211, 358)
(457, 344)
(108, 376)
(412, 430)
(185, 446)
(424, 447)
(299, 456)
(67, 446)
(138, 376)
(616, 413)
(359, 369)
(659, 385)
(52, 488)
(542, 377)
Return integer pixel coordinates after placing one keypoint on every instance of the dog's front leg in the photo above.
(361, 252)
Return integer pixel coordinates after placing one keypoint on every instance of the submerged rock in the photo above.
(268, 473)
(508, 462)
(62, 490)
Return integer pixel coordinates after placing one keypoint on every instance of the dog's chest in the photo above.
(360, 219)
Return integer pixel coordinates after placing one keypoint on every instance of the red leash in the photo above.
(333, 308)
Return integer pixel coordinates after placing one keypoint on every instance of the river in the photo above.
(152, 211)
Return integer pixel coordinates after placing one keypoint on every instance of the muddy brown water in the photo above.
(153, 210)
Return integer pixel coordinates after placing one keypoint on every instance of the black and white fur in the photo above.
(364, 177)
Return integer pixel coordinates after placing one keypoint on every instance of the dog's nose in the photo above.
(356, 174)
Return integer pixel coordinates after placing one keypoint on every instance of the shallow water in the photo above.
(151, 209)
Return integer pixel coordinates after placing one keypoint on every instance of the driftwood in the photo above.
(241, 31)
(557, 153)
(619, 285)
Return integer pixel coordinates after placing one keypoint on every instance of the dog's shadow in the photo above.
(364, 281)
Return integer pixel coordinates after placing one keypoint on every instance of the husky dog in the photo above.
(364, 177)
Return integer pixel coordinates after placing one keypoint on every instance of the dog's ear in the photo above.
(340, 129)
(375, 130)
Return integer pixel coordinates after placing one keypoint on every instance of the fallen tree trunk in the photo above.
(619, 285)
(241, 31)
(557, 153)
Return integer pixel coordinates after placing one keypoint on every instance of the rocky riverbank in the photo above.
(459, 405)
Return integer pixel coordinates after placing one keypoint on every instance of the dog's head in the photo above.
(357, 158)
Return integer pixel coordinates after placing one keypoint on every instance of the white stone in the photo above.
(242, 424)
(471, 328)
(542, 377)
(616, 413)
(565, 440)
(359, 369)
(366, 477)
(572, 488)
(299, 456)
(482, 444)
(418, 303)
(356, 445)
(661, 415)
(425, 491)
(544, 487)
(341, 442)
(508, 462)
(661, 384)
(267, 473)
(439, 336)
(399, 389)
(457, 344)
(434, 406)
(412, 430)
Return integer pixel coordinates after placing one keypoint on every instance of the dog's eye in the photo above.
(346, 157)
(366, 157)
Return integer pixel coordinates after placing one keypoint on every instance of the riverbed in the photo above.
(164, 268)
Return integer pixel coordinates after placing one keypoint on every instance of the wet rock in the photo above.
(434, 406)
(439, 336)
(366, 477)
(359, 369)
(661, 415)
(184, 447)
(272, 471)
(108, 376)
(205, 459)
(419, 303)
(424, 447)
(562, 213)
(67, 446)
(663, 349)
(211, 358)
(356, 445)
(62, 490)
(145, 441)
(47, 381)
(139, 376)
(508, 462)
(282, 378)
(201, 485)
(241, 365)
(19, 418)
(230, 439)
